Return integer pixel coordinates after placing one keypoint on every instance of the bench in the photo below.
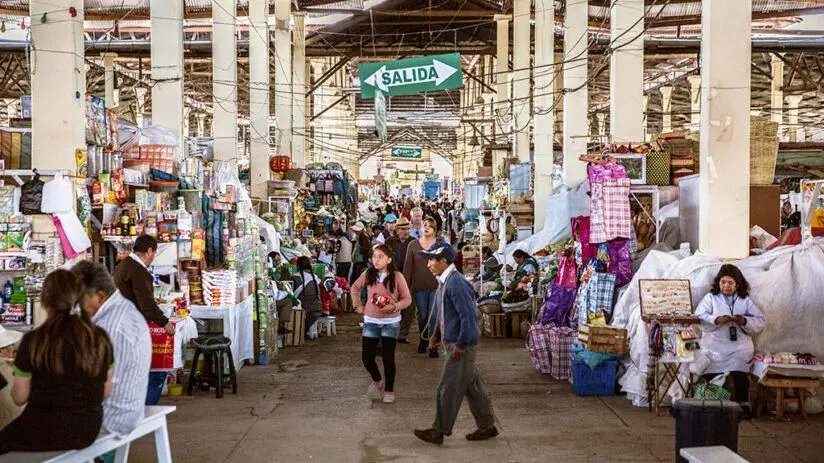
(713, 454)
(154, 422)
(782, 385)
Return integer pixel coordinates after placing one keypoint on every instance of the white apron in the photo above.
(726, 355)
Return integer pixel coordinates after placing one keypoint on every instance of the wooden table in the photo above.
(666, 374)
(782, 384)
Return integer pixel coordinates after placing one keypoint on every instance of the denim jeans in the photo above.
(425, 301)
(373, 330)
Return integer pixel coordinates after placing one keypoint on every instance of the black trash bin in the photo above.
(704, 423)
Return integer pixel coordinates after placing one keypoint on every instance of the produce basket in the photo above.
(522, 306)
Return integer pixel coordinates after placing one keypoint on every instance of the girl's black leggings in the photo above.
(370, 349)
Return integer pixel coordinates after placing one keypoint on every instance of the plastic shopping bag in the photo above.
(57, 195)
(567, 273)
(557, 307)
(163, 348)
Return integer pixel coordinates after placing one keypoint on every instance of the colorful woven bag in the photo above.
(658, 168)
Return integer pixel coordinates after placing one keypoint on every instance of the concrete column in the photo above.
(299, 90)
(626, 72)
(502, 80)
(140, 103)
(108, 78)
(522, 43)
(576, 96)
(792, 115)
(224, 79)
(167, 66)
(666, 108)
(186, 113)
(646, 119)
(777, 92)
(724, 210)
(259, 96)
(602, 124)
(544, 99)
(283, 78)
(695, 101)
(57, 88)
(201, 125)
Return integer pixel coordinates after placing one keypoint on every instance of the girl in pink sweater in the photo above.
(387, 295)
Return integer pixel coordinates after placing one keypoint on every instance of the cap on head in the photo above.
(439, 250)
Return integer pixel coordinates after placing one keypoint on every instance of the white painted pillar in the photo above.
(626, 72)
(167, 66)
(602, 123)
(777, 92)
(792, 115)
(58, 90)
(201, 125)
(647, 135)
(724, 210)
(186, 112)
(259, 96)
(576, 97)
(502, 79)
(283, 78)
(521, 43)
(544, 99)
(140, 103)
(695, 101)
(666, 109)
(224, 79)
(108, 78)
(299, 90)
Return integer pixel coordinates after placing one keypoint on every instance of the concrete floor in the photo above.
(319, 413)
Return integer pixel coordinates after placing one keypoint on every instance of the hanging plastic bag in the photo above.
(163, 348)
(620, 262)
(557, 307)
(31, 195)
(57, 195)
(567, 273)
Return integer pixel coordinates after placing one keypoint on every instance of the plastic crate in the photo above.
(600, 381)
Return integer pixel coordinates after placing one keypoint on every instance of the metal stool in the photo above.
(216, 350)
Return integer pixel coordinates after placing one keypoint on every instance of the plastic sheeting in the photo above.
(783, 285)
(561, 206)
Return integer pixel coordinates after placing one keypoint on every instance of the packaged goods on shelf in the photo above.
(219, 287)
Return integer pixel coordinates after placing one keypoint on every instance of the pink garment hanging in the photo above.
(68, 251)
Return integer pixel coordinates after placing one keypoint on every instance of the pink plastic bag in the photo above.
(567, 273)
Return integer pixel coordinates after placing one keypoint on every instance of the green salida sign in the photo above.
(412, 75)
(407, 152)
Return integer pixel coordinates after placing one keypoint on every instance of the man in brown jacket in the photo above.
(135, 282)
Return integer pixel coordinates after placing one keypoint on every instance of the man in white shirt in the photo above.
(417, 223)
(129, 333)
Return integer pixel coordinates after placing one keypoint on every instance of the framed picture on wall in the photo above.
(636, 166)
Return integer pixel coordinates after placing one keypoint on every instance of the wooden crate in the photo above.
(297, 324)
(513, 324)
(495, 325)
(603, 339)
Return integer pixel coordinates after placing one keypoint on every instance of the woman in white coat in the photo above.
(728, 320)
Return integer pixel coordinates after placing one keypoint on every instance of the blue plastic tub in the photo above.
(157, 379)
(600, 381)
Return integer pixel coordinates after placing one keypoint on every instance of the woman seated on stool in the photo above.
(729, 319)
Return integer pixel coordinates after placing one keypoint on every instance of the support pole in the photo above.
(299, 93)
(724, 198)
(777, 92)
(576, 95)
(501, 108)
(224, 80)
(626, 72)
(283, 78)
(647, 136)
(792, 115)
(201, 125)
(167, 66)
(259, 96)
(58, 88)
(544, 73)
(108, 78)
(521, 84)
(695, 101)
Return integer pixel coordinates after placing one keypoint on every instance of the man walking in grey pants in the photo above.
(456, 322)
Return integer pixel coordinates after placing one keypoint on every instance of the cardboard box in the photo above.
(485, 171)
(603, 339)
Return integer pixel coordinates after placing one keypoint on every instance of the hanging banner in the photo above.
(412, 75)
(380, 117)
(407, 152)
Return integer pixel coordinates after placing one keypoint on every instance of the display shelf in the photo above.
(137, 185)
(13, 254)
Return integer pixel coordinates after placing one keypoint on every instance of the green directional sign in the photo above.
(407, 152)
(413, 75)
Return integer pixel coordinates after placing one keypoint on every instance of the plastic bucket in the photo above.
(157, 379)
(704, 423)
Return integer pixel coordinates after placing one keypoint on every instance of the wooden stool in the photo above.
(782, 385)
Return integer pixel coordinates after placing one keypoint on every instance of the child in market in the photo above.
(9, 410)
(387, 295)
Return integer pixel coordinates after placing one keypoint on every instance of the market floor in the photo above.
(318, 412)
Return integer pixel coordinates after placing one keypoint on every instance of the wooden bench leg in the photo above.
(779, 403)
(121, 455)
(164, 451)
(800, 393)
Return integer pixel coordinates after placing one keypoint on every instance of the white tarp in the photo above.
(561, 206)
(784, 286)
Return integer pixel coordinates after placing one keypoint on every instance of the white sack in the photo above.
(783, 283)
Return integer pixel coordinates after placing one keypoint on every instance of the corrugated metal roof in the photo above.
(685, 10)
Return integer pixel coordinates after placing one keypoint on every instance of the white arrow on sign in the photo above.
(436, 72)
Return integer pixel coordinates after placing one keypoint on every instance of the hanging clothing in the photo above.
(725, 353)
